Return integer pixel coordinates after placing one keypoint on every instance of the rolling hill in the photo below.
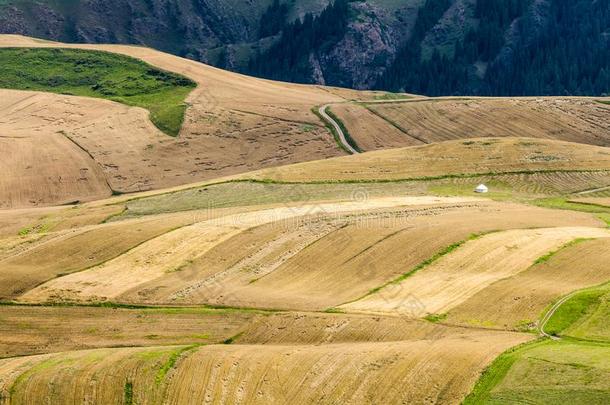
(248, 259)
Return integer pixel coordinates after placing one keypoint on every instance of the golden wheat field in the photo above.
(581, 120)
(449, 159)
(246, 261)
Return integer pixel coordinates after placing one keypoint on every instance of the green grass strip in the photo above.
(576, 307)
(417, 268)
(496, 371)
(572, 310)
(346, 133)
(332, 130)
(99, 74)
(435, 318)
(549, 255)
(562, 203)
(171, 362)
(128, 393)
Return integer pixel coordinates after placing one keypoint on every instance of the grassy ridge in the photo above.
(545, 371)
(575, 369)
(584, 315)
(346, 133)
(101, 75)
(562, 203)
(575, 308)
(332, 130)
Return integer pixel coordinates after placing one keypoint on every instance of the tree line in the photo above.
(513, 49)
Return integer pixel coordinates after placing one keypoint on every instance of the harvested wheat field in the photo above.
(30, 221)
(43, 166)
(282, 257)
(174, 250)
(348, 373)
(458, 276)
(174, 233)
(582, 120)
(369, 131)
(446, 159)
(67, 377)
(242, 122)
(76, 250)
(27, 330)
(518, 301)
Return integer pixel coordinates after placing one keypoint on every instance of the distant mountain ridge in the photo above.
(433, 47)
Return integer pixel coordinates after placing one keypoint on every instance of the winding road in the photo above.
(342, 139)
(550, 314)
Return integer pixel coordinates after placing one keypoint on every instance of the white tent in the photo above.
(481, 188)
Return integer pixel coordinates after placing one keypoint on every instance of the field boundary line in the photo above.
(79, 146)
(593, 190)
(160, 192)
(59, 275)
(422, 265)
(394, 124)
(316, 124)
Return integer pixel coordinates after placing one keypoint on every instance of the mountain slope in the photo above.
(440, 47)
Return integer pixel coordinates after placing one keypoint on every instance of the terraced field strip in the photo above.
(457, 277)
(123, 375)
(41, 221)
(316, 328)
(370, 131)
(77, 250)
(328, 260)
(33, 329)
(172, 250)
(434, 120)
(342, 372)
(600, 201)
(448, 159)
(517, 302)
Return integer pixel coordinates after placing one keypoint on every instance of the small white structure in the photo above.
(481, 188)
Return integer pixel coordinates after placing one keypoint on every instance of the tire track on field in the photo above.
(547, 317)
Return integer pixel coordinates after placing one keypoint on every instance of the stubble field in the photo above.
(374, 278)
